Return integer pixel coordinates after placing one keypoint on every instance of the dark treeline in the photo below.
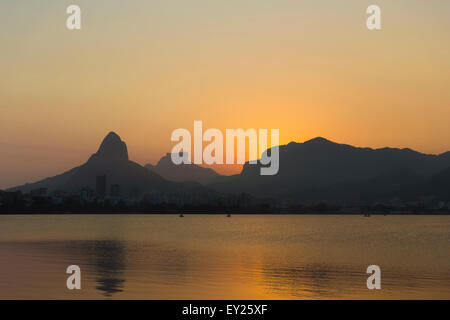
(18, 203)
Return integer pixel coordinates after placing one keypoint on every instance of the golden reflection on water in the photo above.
(214, 257)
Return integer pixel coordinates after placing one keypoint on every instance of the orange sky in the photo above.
(143, 69)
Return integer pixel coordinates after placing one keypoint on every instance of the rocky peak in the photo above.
(112, 148)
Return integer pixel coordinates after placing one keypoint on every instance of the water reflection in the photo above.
(248, 257)
(103, 259)
(106, 260)
(313, 280)
(109, 265)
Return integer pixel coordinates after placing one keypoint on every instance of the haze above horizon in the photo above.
(144, 69)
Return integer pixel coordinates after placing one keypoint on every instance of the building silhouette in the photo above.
(86, 194)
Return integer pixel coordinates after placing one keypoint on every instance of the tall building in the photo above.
(100, 186)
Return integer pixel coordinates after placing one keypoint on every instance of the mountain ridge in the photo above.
(182, 172)
(317, 169)
(322, 169)
(110, 160)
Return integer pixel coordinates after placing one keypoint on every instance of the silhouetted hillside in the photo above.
(111, 160)
(437, 186)
(321, 169)
(183, 172)
(317, 170)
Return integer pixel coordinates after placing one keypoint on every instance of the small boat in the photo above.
(229, 215)
(181, 215)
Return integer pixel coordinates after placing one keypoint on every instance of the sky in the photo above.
(145, 68)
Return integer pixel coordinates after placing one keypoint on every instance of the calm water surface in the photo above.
(215, 257)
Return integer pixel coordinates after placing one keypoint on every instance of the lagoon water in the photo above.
(215, 257)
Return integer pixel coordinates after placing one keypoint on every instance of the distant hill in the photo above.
(438, 185)
(320, 169)
(110, 160)
(183, 172)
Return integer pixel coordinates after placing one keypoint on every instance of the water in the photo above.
(215, 257)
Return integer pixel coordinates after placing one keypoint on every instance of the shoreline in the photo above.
(221, 212)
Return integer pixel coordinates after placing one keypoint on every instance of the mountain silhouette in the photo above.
(183, 172)
(111, 160)
(112, 147)
(320, 169)
(317, 169)
(438, 185)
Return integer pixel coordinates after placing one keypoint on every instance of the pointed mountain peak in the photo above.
(113, 148)
(112, 136)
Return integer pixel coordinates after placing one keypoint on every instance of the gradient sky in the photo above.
(145, 68)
